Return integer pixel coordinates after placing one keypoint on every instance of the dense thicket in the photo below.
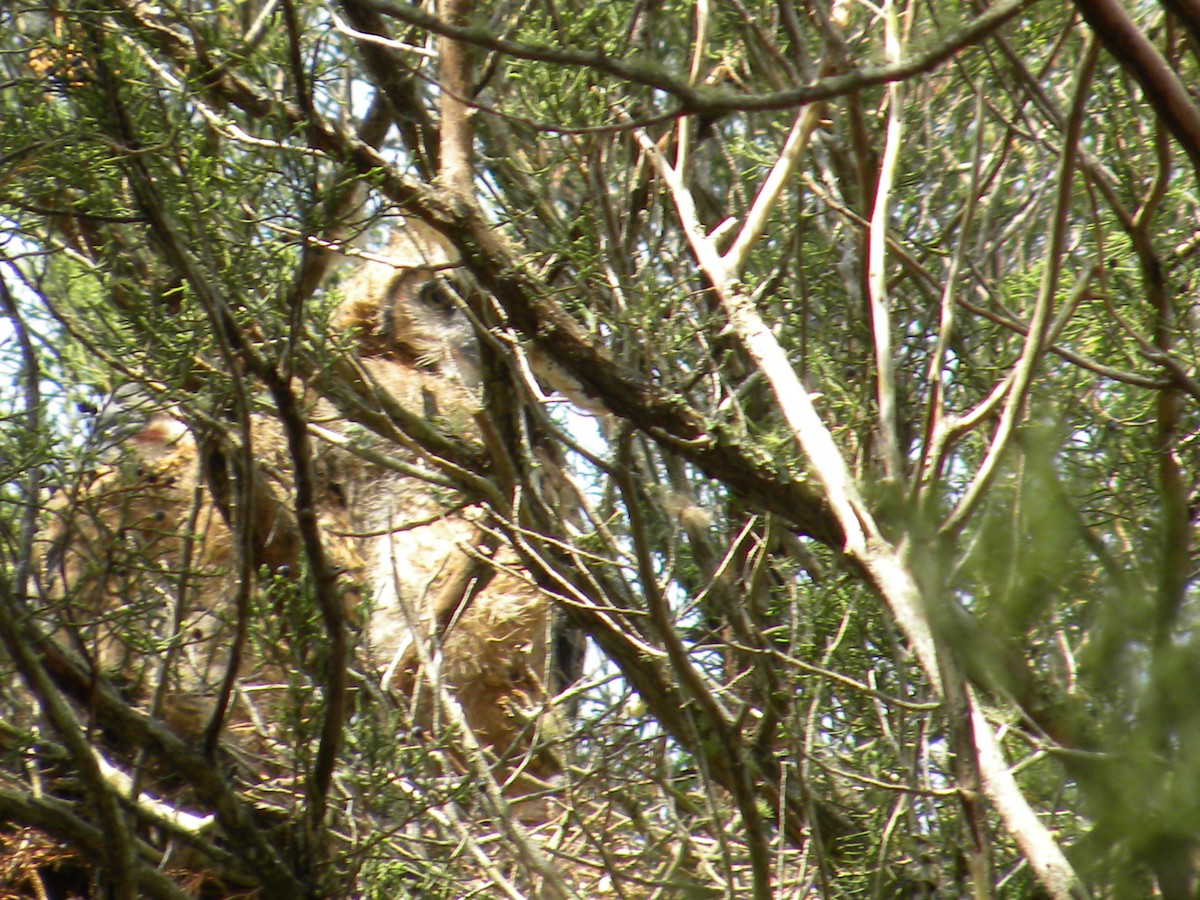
(865, 334)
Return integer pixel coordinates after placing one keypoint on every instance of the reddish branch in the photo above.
(457, 136)
(1130, 46)
(1188, 12)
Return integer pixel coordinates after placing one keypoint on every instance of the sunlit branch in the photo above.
(863, 542)
(936, 410)
(163, 814)
(456, 154)
(1034, 838)
(881, 320)
(342, 27)
(882, 564)
(684, 127)
(715, 101)
(1035, 340)
(772, 187)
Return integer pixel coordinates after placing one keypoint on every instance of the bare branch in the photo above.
(772, 187)
(715, 101)
(1035, 340)
(1036, 842)
(1137, 55)
(881, 320)
(457, 133)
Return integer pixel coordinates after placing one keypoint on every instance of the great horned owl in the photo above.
(141, 561)
(402, 305)
(432, 574)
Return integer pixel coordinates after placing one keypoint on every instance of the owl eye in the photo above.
(437, 297)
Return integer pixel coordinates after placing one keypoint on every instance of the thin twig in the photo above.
(1036, 338)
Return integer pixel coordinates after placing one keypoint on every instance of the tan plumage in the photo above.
(143, 544)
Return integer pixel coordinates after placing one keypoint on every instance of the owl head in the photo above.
(404, 304)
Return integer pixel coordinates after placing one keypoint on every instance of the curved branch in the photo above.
(1131, 48)
(709, 101)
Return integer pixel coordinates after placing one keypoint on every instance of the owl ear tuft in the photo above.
(416, 245)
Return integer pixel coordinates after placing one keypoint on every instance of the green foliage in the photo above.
(163, 169)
